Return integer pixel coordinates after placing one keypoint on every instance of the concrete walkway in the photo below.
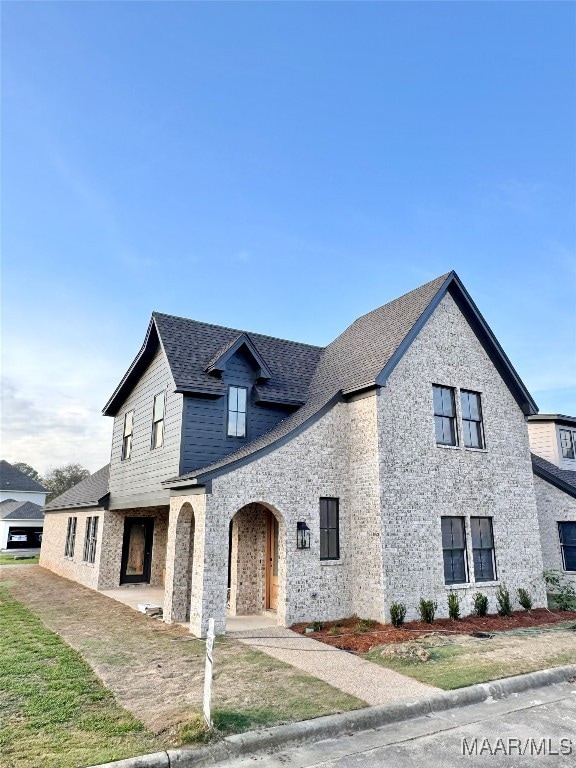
(368, 681)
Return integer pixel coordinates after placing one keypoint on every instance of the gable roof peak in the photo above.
(220, 359)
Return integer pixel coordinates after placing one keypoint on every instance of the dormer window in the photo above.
(127, 435)
(158, 421)
(567, 440)
(237, 398)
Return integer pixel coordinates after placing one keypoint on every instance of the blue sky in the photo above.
(278, 167)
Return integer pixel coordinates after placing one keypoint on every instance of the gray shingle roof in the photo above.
(191, 347)
(20, 510)
(12, 479)
(353, 361)
(87, 493)
(564, 479)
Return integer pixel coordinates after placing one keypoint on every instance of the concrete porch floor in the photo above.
(133, 594)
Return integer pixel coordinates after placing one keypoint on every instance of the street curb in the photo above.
(294, 734)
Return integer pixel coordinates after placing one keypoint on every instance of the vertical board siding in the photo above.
(144, 472)
(204, 419)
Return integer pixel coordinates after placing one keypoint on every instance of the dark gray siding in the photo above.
(204, 438)
(138, 481)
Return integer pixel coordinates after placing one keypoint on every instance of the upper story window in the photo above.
(483, 548)
(127, 435)
(472, 432)
(445, 415)
(567, 441)
(158, 421)
(237, 398)
(329, 529)
(567, 533)
(454, 550)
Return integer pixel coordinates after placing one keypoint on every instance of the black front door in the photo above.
(137, 550)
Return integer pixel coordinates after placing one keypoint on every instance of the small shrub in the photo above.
(317, 626)
(480, 604)
(504, 601)
(453, 606)
(334, 630)
(397, 614)
(524, 599)
(562, 590)
(365, 625)
(427, 610)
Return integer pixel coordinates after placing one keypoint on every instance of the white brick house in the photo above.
(391, 465)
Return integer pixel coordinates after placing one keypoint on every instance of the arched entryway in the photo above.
(257, 561)
(179, 564)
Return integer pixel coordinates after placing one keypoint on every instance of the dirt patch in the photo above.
(353, 634)
(156, 671)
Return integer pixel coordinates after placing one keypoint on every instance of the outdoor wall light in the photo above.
(302, 536)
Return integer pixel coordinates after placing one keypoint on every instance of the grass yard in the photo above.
(87, 679)
(55, 713)
(456, 661)
(9, 560)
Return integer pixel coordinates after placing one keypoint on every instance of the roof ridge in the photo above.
(237, 330)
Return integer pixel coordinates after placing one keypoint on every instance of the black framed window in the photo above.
(70, 537)
(158, 420)
(567, 443)
(444, 415)
(483, 548)
(237, 401)
(472, 429)
(329, 529)
(127, 435)
(567, 532)
(454, 550)
(90, 540)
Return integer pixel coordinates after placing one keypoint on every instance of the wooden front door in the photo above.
(271, 561)
(137, 550)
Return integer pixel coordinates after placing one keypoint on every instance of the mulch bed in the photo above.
(345, 634)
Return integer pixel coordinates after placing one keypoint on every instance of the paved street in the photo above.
(541, 721)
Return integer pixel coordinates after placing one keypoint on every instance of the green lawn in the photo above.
(54, 712)
(460, 661)
(9, 560)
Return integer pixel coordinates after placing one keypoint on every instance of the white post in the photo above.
(208, 672)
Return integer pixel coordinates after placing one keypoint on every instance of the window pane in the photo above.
(465, 403)
(568, 534)
(159, 407)
(439, 429)
(158, 434)
(323, 513)
(567, 443)
(233, 399)
(240, 424)
(324, 543)
(128, 419)
(454, 566)
(467, 433)
(332, 543)
(332, 514)
(437, 395)
(241, 396)
(232, 420)
(483, 567)
(570, 558)
(474, 405)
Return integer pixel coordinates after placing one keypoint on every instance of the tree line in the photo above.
(57, 479)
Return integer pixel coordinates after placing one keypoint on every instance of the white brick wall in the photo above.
(554, 506)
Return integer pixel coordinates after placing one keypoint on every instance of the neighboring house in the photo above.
(553, 442)
(21, 515)
(391, 465)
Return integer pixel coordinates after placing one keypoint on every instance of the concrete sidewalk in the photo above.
(364, 679)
